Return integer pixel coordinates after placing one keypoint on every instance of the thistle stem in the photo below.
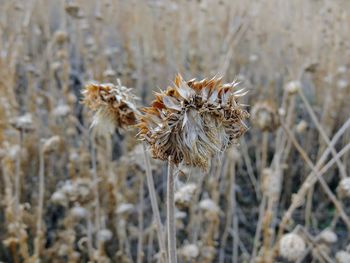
(171, 228)
(96, 181)
(154, 204)
(39, 231)
(140, 219)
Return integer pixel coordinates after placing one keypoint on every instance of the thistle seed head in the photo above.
(193, 121)
(104, 235)
(78, 212)
(342, 256)
(293, 87)
(52, 144)
(265, 116)
(23, 123)
(328, 236)
(292, 246)
(113, 106)
(125, 208)
(344, 187)
(184, 195)
(190, 251)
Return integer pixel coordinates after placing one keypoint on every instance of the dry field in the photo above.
(279, 193)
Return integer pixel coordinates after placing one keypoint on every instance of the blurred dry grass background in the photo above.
(289, 173)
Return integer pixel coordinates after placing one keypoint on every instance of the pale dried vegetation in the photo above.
(278, 193)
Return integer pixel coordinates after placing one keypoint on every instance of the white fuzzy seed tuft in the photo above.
(291, 246)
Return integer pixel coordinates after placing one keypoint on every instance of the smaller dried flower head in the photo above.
(109, 73)
(211, 209)
(113, 106)
(344, 187)
(59, 198)
(190, 251)
(301, 127)
(342, 256)
(60, 37)
(78, 212)
(104, 235)
(52, 144)
(328, 236)
(193, 121)
(78, 190)
(265, 116)
(292, 87)
(23, 123)
(61, 111)
(125, 209)
(184, 195)
(292, 246)
(73, 9)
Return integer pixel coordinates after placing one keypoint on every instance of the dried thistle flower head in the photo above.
(328, 236)
(78, 212)
(184, 195)
(73, 9)
(342, 256)
(292, 87)
(301, 127)
(125, 208)
(52, 144)
(59, 198)
(265, 116)
(344, 187)
(291, 246)
(104, 235)
(113, 105)
(190, 251)
(23, 123)
(193, 121)
(60, 37)
(210, 208)
(61, 111)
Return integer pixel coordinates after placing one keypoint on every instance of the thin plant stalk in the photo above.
(140, 219)
(312, 177)
(95, 179)
(171, 228)
(154, 204)
(234, 215)
(39, 231)
(324, 185)
(323, 133)
(18, 175)
(229, 217)
(259, 226)
(310, 180)
(89, 238)
(265, 140)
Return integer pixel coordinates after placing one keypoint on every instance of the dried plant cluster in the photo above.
(113, 105)
(193, 121)
(281, 194)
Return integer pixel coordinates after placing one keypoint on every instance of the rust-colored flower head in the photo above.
(113, 105)
(193, 121)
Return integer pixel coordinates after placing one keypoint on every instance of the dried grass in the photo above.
(71, 195)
